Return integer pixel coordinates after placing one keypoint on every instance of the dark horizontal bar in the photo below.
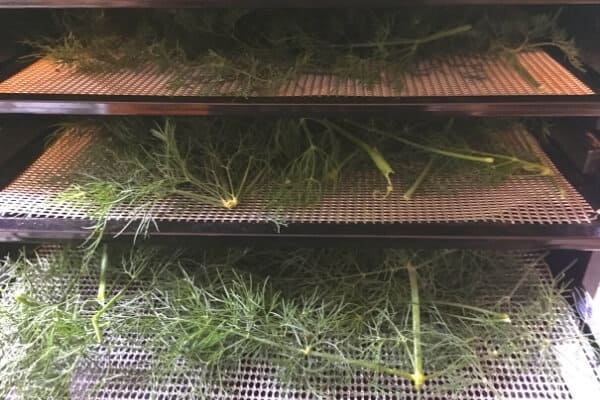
(491, 235)
(262, 3)
(526, 106)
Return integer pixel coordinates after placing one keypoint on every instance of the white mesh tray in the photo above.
(519, 200)
(569, 369)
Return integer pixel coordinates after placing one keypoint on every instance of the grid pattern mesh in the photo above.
(520, 199)
(454, 76)
(569, 369)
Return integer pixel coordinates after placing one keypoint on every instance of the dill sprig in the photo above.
(416, 315)
(259, 50)
(306, 161)
(219, 161)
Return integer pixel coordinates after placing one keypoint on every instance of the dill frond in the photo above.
(260, 50)
(133, 164)
(306, 311)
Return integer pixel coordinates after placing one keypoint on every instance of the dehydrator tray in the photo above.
(452, 76)
(568, 369)
(469, 85)
(520, 209)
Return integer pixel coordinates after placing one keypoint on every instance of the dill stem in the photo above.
(403, 42)
(417, 377)
(413, 188)
(445, 33)
(380, 162)
(336, 171)
(364, 275)
(515, 63)
(527, 165)
(369, 365)
(96, 317)
(447, 153)
(103, 266)
(501, 316)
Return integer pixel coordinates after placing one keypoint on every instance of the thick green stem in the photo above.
(96, 317)
(418, 377)
(526, 165)
(447, 153)
(377, 158)
(408, 195)
(309, 352)
(102, 285)
(513, 60)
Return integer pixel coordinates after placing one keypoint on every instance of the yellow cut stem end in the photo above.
(230, 203)
(418, 380)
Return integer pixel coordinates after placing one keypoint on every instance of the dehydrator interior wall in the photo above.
(71, 77)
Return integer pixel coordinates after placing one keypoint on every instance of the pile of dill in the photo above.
(426, 317)
(260, 49)
(286, 163)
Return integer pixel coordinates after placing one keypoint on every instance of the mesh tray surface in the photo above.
(521, 199)
(569, 370)
(454, 76)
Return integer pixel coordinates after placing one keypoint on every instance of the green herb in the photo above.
(380, 162)
(417, 315)
(418, 377)
(306, 162)
(278, 164)
(408, 195)
(102, 285)
(260, 50)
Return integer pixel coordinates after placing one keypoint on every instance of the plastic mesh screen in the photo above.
(521, 199)
(568, 370)
(454, 76)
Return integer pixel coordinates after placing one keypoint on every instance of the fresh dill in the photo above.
(133, 164)
(291, 162)
(308, 312)
(261, 49)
